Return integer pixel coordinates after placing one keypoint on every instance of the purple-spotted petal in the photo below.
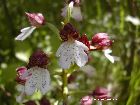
(40, 79)
(72, 52)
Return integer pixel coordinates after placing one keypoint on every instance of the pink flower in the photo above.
(86, 100)
(101, 41)
(100, 93)
(20, 72)
(36, 20)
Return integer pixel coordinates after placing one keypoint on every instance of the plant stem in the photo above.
(68, 15)
(64, 87)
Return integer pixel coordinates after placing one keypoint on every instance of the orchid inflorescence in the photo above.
(74, 49)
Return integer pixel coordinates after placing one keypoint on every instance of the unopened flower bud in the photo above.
(100, 93)
(20, 72)
(36, 19)
(69, 32)
(101, 41)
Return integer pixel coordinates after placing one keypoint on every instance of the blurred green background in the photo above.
(122, 78)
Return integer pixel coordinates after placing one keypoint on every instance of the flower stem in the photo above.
(68, 15)
(64, 87)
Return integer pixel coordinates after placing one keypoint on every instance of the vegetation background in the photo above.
(122, 77)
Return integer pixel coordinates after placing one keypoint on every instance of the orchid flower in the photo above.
(36, 20)
(36, 75)
(71, 50)
(101, 41)
(75, 11)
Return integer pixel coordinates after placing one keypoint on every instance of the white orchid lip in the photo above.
(36, 79)
(25, 32)
(71, 52)
(108, 56)
(40, 79)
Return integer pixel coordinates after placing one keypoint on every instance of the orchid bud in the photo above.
(21, 70)
(35, 19)
(86, 100)
(39, 59)
(100, 93)
(69, 32)
(101, 41)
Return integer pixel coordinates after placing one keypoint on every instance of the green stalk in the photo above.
(67, 19)
(65, 87)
